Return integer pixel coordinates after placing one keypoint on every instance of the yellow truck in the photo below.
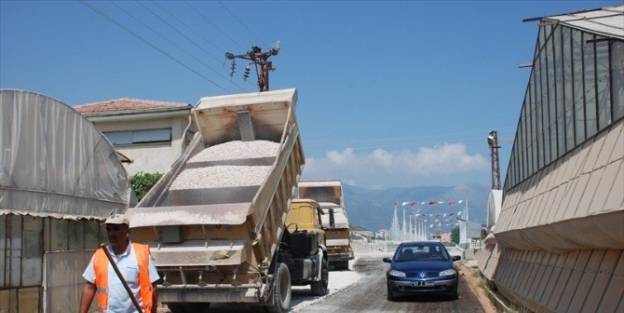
(216, 221)
(334, 220)
(305, 253)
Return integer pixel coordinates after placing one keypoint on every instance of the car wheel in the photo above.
(343, 265)
(454, 294)
(391, 295)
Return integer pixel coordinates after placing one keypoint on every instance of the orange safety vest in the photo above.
(100, 266)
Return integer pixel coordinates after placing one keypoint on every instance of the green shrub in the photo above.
(142, 182)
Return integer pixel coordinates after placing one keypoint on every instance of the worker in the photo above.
(135, 264)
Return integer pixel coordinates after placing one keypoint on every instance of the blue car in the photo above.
(420, 268)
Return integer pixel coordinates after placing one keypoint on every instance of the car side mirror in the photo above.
(456, 258)
(387, 260)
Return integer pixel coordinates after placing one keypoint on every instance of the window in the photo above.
(590, 84)
(617, 78)
(542, 112)
(3, 238)
(15, 250)
(602, 83)
(551, 146)
(579, 93)
(32, 251)
(538, 122)
(129, 137)
(561, 138)
(568, 94)
(421, 252)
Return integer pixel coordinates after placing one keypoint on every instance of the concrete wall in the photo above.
(149, 157)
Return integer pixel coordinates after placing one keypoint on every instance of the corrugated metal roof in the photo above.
(608, 21)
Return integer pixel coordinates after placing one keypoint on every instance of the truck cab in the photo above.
(303, 246)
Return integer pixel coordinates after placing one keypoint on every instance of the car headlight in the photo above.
(396, 273)
(449, 272)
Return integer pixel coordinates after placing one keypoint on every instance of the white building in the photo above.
(150, 133)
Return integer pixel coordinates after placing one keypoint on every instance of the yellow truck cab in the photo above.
(305, 215)
(305, 253)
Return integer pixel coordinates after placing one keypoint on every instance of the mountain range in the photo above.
(373, 208)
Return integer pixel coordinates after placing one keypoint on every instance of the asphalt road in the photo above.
(369, 295)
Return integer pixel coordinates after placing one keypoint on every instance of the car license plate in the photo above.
(422, 284)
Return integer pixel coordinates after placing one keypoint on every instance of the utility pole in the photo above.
(260, 61)
(492, 140)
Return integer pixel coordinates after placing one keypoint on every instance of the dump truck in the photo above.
(335, 222)
(304, 250)
(215, 221)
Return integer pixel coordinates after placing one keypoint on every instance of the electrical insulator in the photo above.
(232, 68)
(247, 71)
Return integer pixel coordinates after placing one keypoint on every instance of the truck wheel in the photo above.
(319, 288)
(280, 296)
(342, 265)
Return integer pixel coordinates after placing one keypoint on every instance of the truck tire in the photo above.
(319, 288)
(342, 265)
(188, 307)
(280, 294)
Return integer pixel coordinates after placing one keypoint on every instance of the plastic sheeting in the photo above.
(53, 162)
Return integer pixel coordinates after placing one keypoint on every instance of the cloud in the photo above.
(401, 167)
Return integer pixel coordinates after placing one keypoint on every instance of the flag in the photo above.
(460, 201)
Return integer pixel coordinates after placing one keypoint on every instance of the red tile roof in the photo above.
(127, 104)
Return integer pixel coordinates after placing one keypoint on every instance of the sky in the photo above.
(391, 93)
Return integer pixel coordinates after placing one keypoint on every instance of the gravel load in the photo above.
(220, 176)
(237, 149)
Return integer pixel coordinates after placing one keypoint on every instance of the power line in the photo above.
(175, 45)
(137, 36)
(240, 21)
(179, 20)
(207, 20)
(185, 25)
(174, 28)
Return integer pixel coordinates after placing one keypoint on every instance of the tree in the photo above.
(142, 182)
(455, 235)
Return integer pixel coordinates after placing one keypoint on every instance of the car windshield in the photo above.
(421, 252)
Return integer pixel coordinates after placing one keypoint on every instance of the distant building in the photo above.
(560, 232)
(150, 133)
